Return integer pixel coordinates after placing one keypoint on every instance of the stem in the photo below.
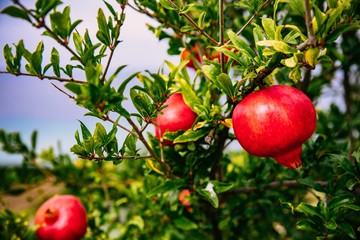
(221, 33)
(256, 13)
(41, 77)
(72, 97)
(192, 22)
(114, 43)
(311, 41)
(106, 118)
(272, 185)
(148, 147)
(41, 23)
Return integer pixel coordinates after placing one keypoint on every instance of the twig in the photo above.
(41, 77)
(114, 43)
(311, 41)
(256, 13)
(272, 185)
(41, 23)
(149, 149)
(192, 22)
(72, 97)
(221, 33)
(106, 118)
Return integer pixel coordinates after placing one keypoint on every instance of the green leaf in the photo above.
(86, 134)
(137, 221)
(103, 34)
(189, 95)
(290, 62)
(34, 139)
(211, 72)
(347, 228)
(269, 27)
(221, 187)
(201, 19)
(308, 209)
(186, 28)
(191, 135)
(295, 75)
(240, 44)
(166, 4)
(16, 12)
(209, 194)
(279, 46)
(306, 225)
(186, 8)
(166, 186)
(223, 82)
(99, 134)
(55, 61)
(331, 224)
(184, 223)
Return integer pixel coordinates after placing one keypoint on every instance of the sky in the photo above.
(29, 104)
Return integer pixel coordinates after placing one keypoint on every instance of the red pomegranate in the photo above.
(177, 115)
(61, 217)
(274, 122)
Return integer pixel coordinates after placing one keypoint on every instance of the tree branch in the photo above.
(41, 23)
(194, 24)
(114, 43)
(272, 185)
(256, 13)
(311, 41)
(41, 77)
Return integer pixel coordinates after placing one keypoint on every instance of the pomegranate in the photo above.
(174, 117)
(61, 217)
(189, 54)
(184, 198)
(274, 122)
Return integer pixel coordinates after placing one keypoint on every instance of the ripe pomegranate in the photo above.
(174, 117)
(187, 54)
(61, 217)
(275, 122)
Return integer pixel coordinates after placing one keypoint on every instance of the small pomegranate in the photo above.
(174, 117)
(274, 122)
(184, 198)
(187, 54)
(61, 217)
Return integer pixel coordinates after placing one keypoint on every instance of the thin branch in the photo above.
(114, 43)
(62, 91)
(41, 77)
(149, 149)
(221, 33)
(311, 41)
(256, 13)
(192, 22)
(111, 158)
(106, 118)
(272, 185)
(41, 23)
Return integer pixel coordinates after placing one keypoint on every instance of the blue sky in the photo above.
(28, 103)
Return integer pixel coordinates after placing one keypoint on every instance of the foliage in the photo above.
(130, 187)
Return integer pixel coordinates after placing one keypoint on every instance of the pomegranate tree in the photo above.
(274, 122)
(177, 115)
(61, 217)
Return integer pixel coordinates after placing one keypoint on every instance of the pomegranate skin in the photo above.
(274, 122)
(61, 217)
(176, 116)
